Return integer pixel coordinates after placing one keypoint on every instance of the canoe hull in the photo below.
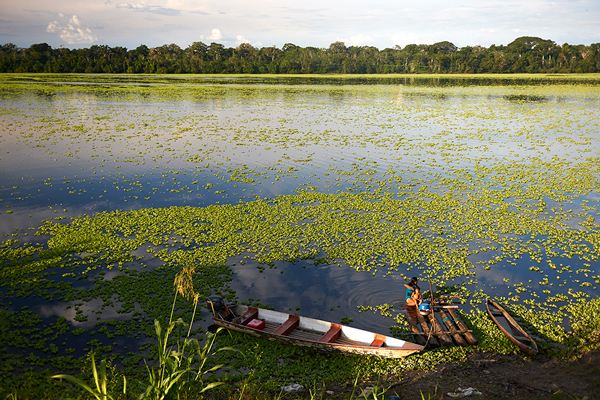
(526, 344)
(313, 333)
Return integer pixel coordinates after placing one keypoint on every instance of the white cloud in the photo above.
(73, 32)
(402, 39)
(215, 34)
(240, 39)
(134, 6)
(361, 39)
(148, 8)
(356, 40)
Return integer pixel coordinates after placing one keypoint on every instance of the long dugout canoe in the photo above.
(313, 333)
(517, 335)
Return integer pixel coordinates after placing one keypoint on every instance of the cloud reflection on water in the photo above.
(322, 292)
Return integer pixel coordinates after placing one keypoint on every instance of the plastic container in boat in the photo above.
(256, 324)
(424, 308)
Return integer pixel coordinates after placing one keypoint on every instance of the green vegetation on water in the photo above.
(461, 191)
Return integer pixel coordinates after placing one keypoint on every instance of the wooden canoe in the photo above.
(314, 333)
(517, 335)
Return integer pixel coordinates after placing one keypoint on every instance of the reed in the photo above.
(179, 366)
(314, 392)
(429, 395)
(176, 364)
(12, 396)
(170, 370)
(375, 393)
(100, 392)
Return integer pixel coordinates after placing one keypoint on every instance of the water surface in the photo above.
(75, 150)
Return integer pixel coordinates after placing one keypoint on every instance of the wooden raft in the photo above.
(427, 330)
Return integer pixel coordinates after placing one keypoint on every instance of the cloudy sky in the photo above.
(318, 23)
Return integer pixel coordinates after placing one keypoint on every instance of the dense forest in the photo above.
(524, 55)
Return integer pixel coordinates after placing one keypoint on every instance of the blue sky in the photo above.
(379, 23)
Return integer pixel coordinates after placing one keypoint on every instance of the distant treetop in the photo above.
(524, 55)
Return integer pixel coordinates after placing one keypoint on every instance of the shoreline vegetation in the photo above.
(181, 82)
(523, 55)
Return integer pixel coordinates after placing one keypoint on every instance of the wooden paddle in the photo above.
(430, 291)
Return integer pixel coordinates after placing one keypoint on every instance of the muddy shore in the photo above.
(503, 377)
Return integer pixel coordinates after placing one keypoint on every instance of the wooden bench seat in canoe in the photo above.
(288, 326)
(379, 341)
(332, 334)
(248, 316)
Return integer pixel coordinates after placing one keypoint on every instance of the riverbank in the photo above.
(495, 376)
(507, 376)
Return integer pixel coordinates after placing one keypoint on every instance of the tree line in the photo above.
(523, 55)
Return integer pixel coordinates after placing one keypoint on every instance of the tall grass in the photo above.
(179, 366)
(100, 392)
